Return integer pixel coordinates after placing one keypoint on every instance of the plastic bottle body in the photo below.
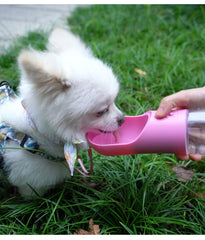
(196, 132)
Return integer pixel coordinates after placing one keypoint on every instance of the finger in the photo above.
(183, 157)
(172, 102)
(196, 157)
(165, 108)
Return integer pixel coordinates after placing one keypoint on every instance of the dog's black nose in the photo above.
(121, 121)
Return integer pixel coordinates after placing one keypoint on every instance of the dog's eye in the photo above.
(99, 114)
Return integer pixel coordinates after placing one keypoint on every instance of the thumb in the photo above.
(171, 102)
(164, 109)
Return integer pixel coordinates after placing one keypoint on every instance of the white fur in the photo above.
(64, 89)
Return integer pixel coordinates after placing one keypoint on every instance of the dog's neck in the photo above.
(35, 127)
(70, 148)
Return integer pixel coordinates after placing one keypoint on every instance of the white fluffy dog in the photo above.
(67, 92)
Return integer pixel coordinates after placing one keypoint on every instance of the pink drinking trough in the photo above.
(144, 134)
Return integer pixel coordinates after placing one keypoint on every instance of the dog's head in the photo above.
(68, 90)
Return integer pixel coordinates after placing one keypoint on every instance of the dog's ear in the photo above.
(42, 69)
(61, 40)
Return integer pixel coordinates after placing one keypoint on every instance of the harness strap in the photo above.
(24, 140)
(3, 83)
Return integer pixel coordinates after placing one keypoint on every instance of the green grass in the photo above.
(141, 194)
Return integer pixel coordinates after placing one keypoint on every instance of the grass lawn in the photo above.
(142, 194)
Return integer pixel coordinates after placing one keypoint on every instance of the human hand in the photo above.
(190, 99)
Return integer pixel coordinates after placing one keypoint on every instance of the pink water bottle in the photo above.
(181, 132)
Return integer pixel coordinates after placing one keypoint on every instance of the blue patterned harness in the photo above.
(7, 132)
(26, 142)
